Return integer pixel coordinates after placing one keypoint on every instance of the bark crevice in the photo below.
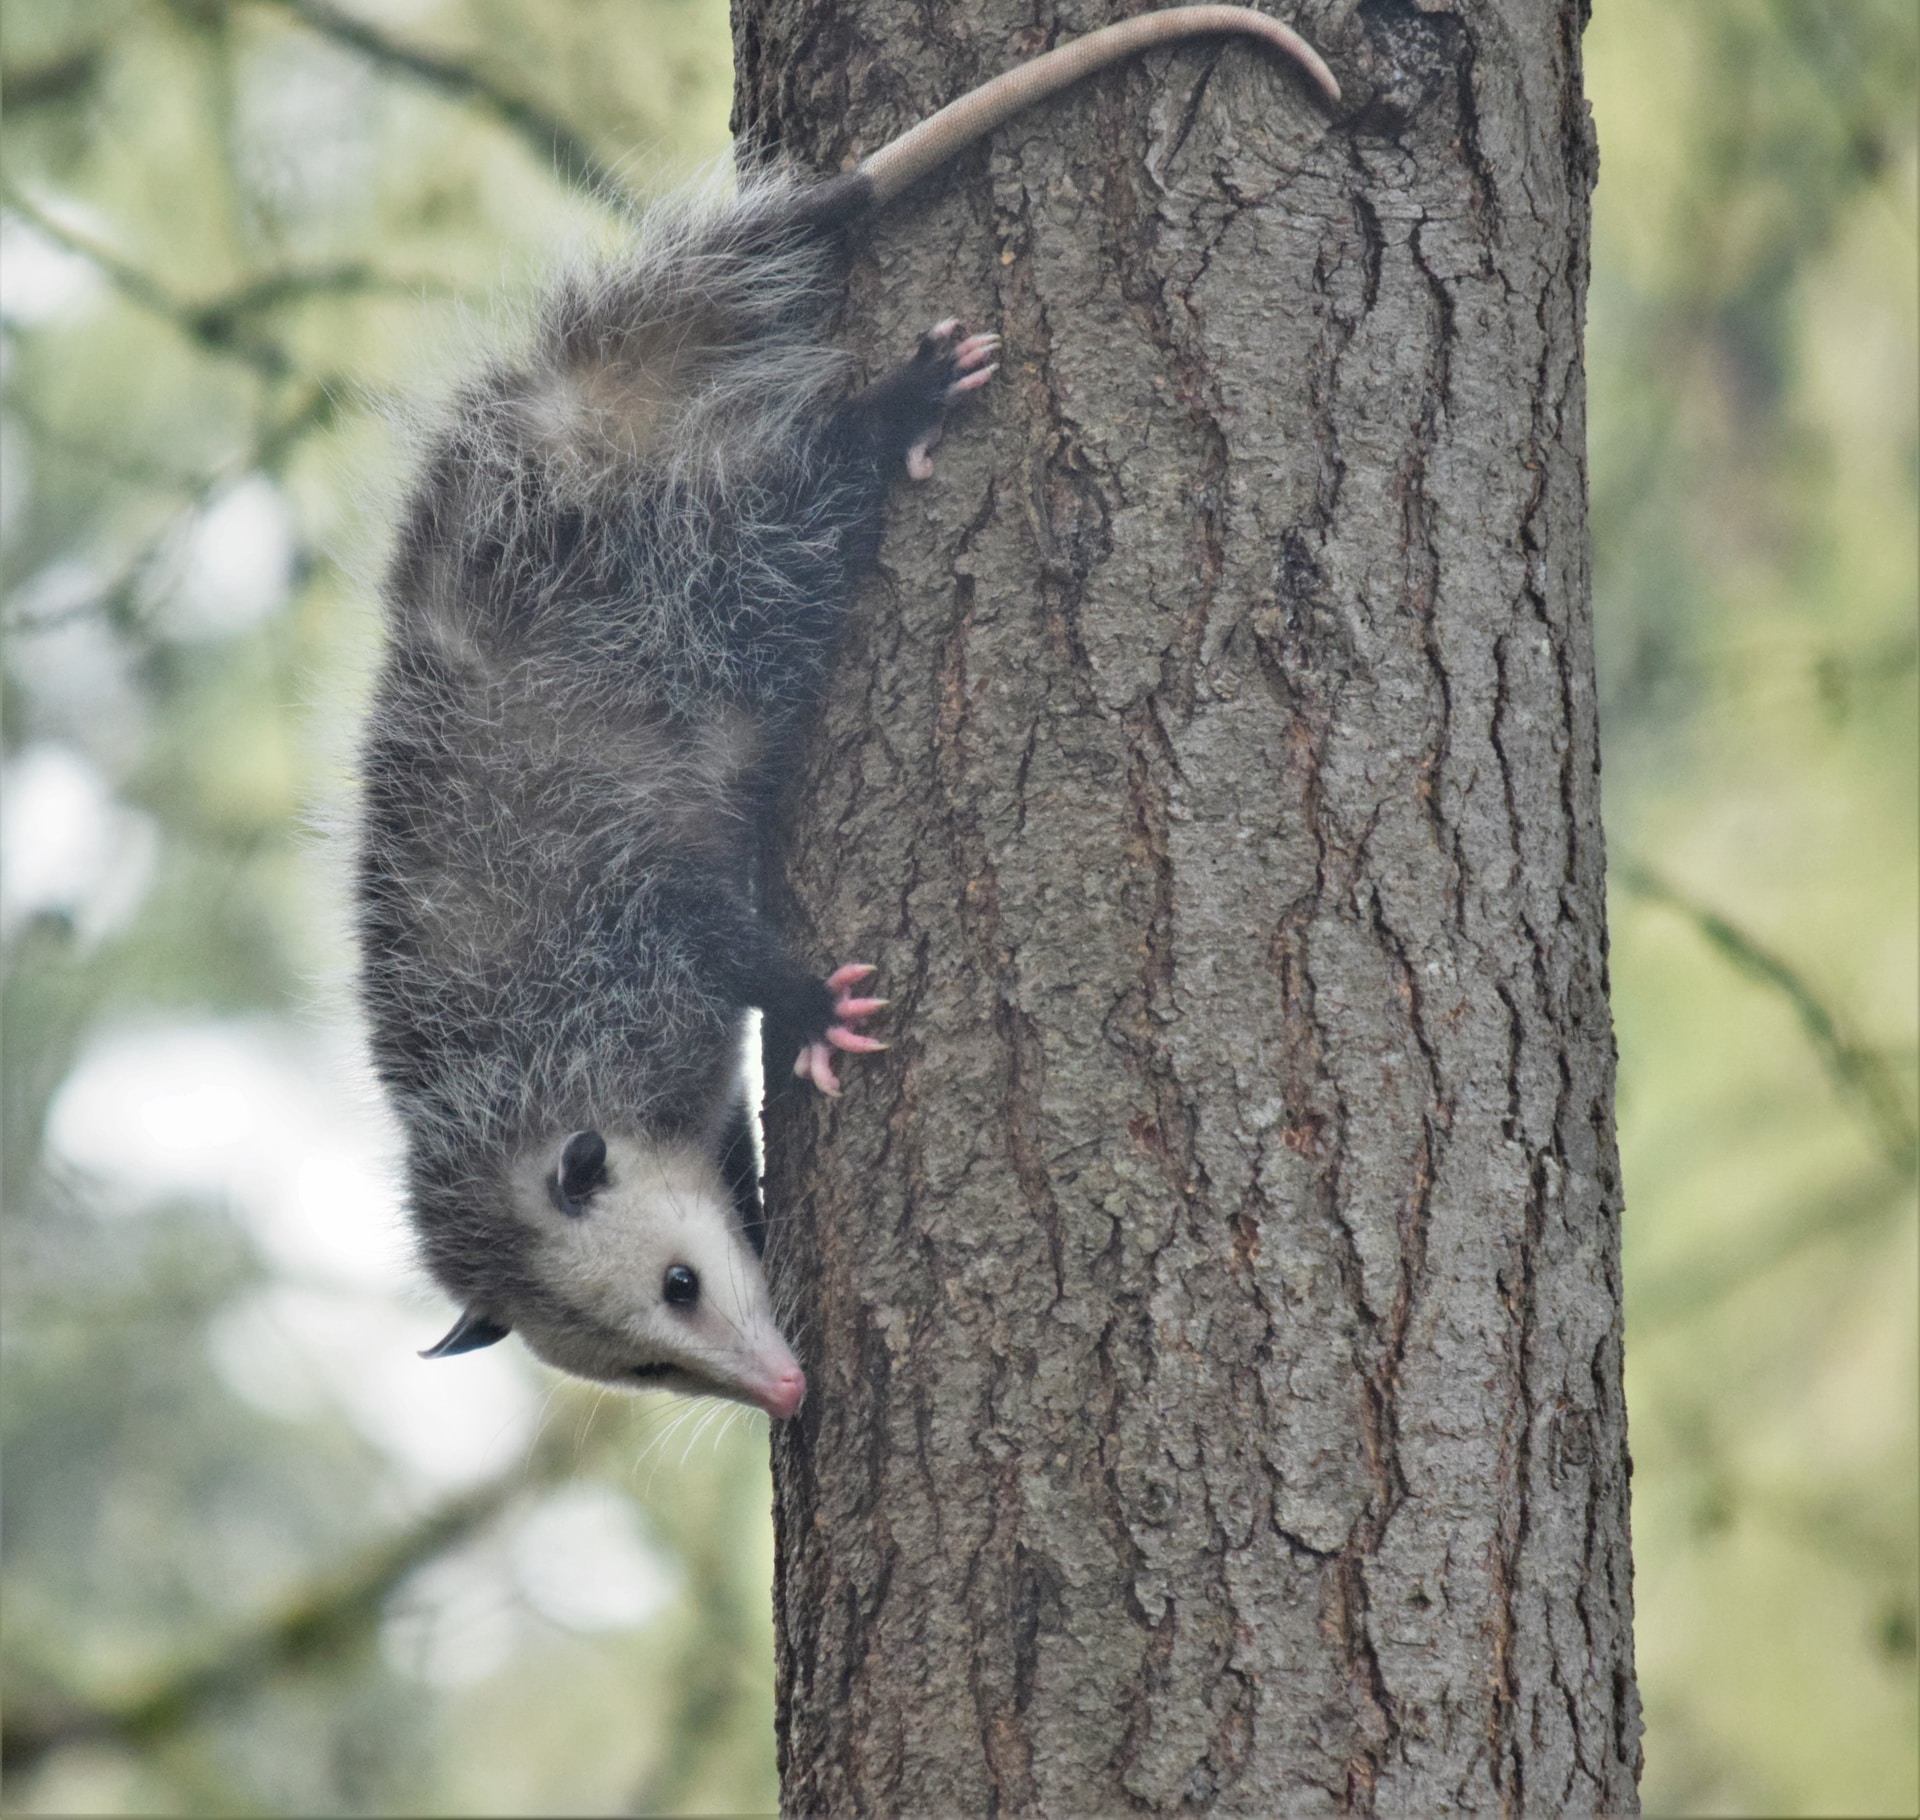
(1215, 1288)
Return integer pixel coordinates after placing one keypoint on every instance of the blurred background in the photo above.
(259, 1561)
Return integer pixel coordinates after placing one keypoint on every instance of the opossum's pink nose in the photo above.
(784, 1392)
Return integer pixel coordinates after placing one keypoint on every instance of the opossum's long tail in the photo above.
(938, 137)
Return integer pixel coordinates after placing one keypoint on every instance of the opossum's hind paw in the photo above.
(815, 1061)
(961, 366)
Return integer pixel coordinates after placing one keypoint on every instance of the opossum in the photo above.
(611, 607)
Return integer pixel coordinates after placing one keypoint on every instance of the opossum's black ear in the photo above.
(472, 1331)
(583, 1167)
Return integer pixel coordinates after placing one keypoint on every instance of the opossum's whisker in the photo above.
(695, 1436)
(658, 1448)
(547, 1405)
(658, 1418)
(723, 1420)
(600, 1395)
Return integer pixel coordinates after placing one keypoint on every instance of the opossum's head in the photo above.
(637, 1273)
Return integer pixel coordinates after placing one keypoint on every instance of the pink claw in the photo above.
(815, 1064)
(975, 349)
(974, 380)
(853, 1042)
(859, 1007)
(849, 975)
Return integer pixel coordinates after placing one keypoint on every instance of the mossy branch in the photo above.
(1859, 1072)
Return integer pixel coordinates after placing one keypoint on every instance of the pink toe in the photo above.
(973, 381)
(858, 1007)
(849, 975)
(853, 1042)
(941, 330)
(816, 1064)
(820, 1069)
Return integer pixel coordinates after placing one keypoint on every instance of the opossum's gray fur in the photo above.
(612, 603)
(563, 717)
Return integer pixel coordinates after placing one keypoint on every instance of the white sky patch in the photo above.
(579, 1558)
(308, 123)
(67, 847)
(265, 1120)
(66, 657)
(457, 1620)
(582, 1560)
(448, 1423)
(239, 562)
(239, 1113)
(40, 280)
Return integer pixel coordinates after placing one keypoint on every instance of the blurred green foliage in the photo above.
(240, 238)
(1752, 360)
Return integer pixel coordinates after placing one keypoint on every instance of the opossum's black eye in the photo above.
(583, 1168)
(681, 1286)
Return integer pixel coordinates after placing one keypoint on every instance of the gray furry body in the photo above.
(607, 615)
(612, 604)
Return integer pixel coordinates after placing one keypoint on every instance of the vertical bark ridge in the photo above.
(1216, 1346)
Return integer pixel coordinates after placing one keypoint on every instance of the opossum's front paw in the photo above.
(956, 364)
(815, 1062)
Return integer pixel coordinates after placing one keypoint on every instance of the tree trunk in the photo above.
(1214, 1297)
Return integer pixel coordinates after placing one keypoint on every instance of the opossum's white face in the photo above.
(646, 1277)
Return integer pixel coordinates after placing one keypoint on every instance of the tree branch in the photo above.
(44, 84)
(546, 133)
(129, 470)
(117, 597)
(327, 1618)
(1860, 1073)
(217, 324)
(1858, 1207)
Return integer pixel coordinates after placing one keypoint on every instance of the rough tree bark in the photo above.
(1214, 1296)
